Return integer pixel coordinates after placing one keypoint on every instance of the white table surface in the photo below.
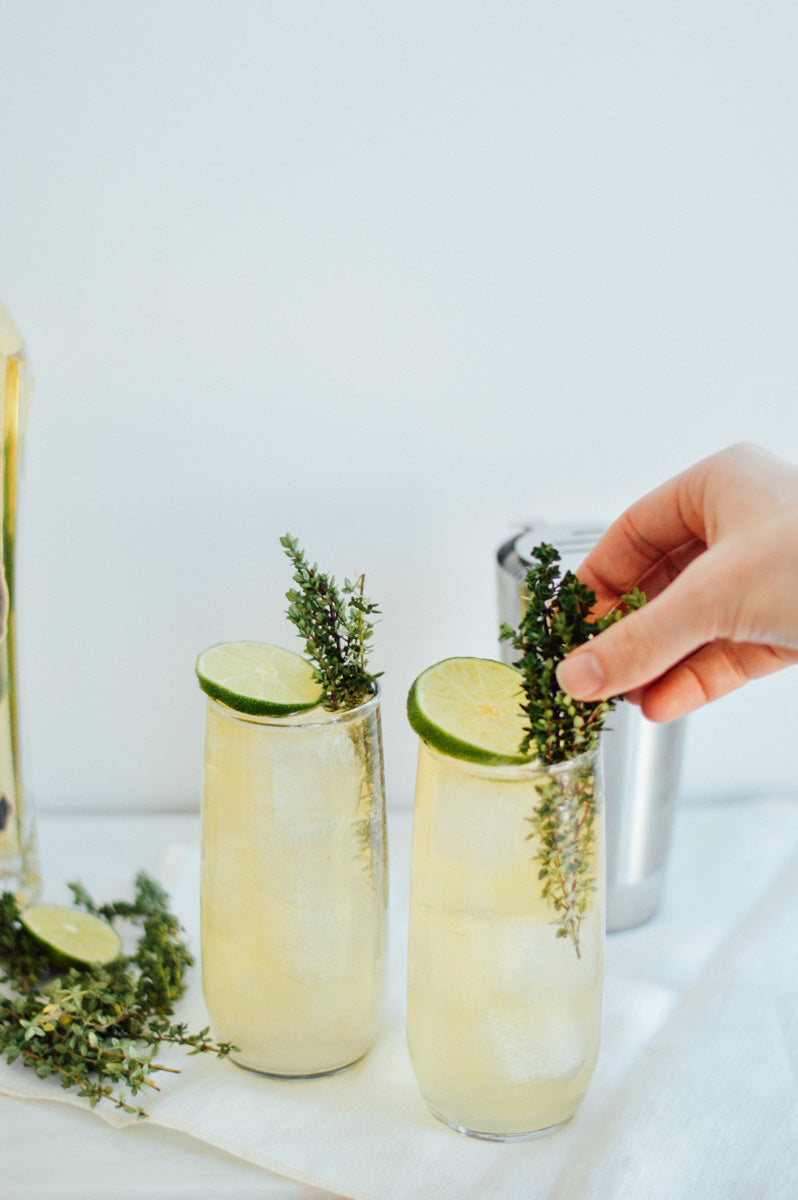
(55, 1150)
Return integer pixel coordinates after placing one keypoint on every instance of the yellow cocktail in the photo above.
(294, 886)
(503, 1016)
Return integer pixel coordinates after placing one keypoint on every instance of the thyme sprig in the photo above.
(560, 729)
(336, 626)
(562, 824)
(98, 1029)
(557, 620)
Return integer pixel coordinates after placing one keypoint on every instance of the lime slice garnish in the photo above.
(470, 708)
(72, 936)
(255, 678)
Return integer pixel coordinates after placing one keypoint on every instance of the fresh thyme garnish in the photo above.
(555, 622)
(336, 626)
(563, 824)
(98, 1029)
(559, 729)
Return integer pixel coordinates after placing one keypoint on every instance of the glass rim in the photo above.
(510, 772)
(304, 719)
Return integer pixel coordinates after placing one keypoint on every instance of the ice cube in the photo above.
(447, 958)
(316, 777)
(526, 958)
(309, 943)
(531, 1044)
(311, 864)
(480, 824)
(312, 948)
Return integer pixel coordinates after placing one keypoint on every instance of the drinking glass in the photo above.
(504, 981)
(294, 886)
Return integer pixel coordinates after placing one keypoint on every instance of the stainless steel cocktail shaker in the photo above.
(642, 759)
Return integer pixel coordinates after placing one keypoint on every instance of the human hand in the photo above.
(716, 551)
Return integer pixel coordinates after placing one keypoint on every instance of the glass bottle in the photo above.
(19, 863)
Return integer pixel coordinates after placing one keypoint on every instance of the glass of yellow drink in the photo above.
(504, 988)
(19, 860)
(294, 885)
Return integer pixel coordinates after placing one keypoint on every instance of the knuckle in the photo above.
(735, 670)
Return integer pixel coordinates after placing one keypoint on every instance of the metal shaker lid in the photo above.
(572, 541)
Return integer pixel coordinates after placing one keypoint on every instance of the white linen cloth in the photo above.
(696, 1090)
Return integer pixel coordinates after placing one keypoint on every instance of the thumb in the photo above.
(647, 642)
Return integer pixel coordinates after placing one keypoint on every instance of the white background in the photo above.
(392, 276)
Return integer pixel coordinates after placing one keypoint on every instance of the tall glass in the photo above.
(294, 886)
(504, 989)
(19, 860)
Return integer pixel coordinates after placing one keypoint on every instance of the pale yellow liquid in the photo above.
(19, 867)
(293, 890)
(503, 1018)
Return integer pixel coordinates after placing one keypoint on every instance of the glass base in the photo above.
(528, 1136)
(298, 1074)
(21, 877)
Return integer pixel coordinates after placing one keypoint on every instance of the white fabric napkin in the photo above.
(696, 1092)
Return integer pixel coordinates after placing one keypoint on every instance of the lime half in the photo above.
(72, 936)
(255, 678)
(470, 708)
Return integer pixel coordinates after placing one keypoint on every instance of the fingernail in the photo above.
(580, 675)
